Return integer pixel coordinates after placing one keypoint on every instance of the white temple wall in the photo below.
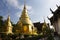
(55, 25)
(58, 26)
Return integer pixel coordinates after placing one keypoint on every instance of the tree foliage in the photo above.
(1, 21)
(47, 32)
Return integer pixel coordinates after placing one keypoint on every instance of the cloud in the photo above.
(5, 17)
(13, 3)
(16, 5)
(29, 9)
(18, 14)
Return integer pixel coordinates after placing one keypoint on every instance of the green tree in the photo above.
(47, 31)
(1, 21)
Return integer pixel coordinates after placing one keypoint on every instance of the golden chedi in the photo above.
(8, 26)
(25, 25)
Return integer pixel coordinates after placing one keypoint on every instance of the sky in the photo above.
(38, 10)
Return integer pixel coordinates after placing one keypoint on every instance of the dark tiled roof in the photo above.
(56, 14)
(38, 25)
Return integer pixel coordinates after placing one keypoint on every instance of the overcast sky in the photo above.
(38, 10)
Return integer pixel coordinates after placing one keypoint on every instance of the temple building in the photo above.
(8, 26)
(25, 26)
(55, 19)
(39, 26)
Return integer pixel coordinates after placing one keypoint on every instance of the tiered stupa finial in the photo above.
(8, 26)
(45, 24)
(25, 23)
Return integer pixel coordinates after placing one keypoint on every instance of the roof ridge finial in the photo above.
(57, 5)
(51, 10)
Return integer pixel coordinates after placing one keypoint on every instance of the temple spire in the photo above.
(24, 11)
(44, 21)
(9, 25)
(24, 4)
(25, 15)
(8, 21)
(44, 25)
(25, 23)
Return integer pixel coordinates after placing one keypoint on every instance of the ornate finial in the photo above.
(57, 5)
(8, 15)
(48, 17)
(44, 25)
(8, 19)
(51, 10)
(24, 4)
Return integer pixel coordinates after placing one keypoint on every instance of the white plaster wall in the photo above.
(55, 24)
(58, 25)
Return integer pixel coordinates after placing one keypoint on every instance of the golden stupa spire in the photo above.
(25, 17)
(44, 21)
(44, 24)
(24, 12)
(25, 23)
(8, 21)
(24, 5)
(8, 25)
